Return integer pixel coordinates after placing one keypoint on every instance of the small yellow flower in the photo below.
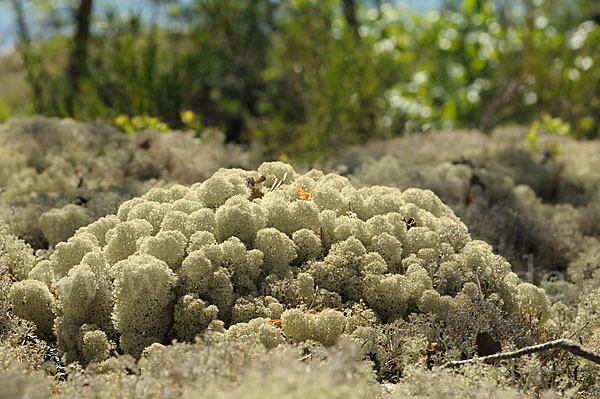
(187, 116)
(121, 120)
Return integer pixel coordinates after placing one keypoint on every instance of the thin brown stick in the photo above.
(576, 333)
(565, 344)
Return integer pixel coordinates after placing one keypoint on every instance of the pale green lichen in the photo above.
(240, 256)
(324, 327)
(15, 254)
(308, 245)
(100, 227)
(60, 224)
(278, 250)
(142, 289)
(208, 279)
(33, 301)
(122, 239)
(168, 246)
(49, 163)
(42, 272)
(259, 329)
(192, 316)
(70, 253)
(96, 347)
(247, 308)
(240, 218)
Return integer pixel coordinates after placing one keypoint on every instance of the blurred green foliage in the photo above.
(303, 79)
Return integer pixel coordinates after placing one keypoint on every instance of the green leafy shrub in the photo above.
(268, 71)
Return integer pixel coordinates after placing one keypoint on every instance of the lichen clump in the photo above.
(287, 257)
(57, 175)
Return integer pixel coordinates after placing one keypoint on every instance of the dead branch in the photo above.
(565, 344)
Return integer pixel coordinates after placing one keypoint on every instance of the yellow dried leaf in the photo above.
(303, 194)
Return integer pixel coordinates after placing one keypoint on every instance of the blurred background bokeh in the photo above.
(303, 78)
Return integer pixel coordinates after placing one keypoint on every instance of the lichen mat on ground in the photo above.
(288, 257)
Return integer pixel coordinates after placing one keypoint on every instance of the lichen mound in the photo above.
(273, 254)
(58, 175)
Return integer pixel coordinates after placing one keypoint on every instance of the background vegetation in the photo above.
(304, 77)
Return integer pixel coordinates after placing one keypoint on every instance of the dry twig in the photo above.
(565, 344)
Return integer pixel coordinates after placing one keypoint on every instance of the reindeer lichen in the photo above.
(271, 254)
